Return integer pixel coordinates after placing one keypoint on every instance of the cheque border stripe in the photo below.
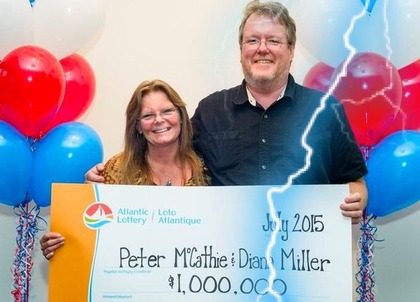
(69, 270)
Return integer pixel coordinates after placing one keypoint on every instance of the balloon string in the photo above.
(366, 273)
(366, 151)
(32, 142)
(28, 218)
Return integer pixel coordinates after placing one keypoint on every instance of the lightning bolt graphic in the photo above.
(309, 151)
(344, 68)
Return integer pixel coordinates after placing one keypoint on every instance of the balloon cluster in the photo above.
(44, 88)
(371, 68)
(379, 89)
(382, 105)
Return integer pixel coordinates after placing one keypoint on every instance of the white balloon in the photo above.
(389, 30)
(15, 25)
(403, 17)
(321, 25)
(65, 26)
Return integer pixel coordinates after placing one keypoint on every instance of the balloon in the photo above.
(329, 22)
(325, 23)
(16, 165)
(370, 92)
(368, 4)
(80, 90)
(63, 156)
(393, 181)
(31, 88)
(65, 26)
(15, 25)
(408, 116)
(400, 15)
(318, 77)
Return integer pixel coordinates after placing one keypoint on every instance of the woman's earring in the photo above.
(138, 127)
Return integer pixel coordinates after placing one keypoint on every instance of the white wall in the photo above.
(396, 258)
(191, 44)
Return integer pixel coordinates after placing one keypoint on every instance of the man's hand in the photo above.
(354, 204)
(94, 174)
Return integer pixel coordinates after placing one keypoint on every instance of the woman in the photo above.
(158, 141)
(158, 147)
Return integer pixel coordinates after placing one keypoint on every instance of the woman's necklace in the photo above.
(165, 179)
(169, 179)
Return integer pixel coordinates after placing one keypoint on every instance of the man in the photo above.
(260, 133)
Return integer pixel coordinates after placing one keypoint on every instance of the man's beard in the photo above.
(257, 80)
(265, 81)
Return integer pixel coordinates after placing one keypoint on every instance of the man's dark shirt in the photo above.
(244, 144)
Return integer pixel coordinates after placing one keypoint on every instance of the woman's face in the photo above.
(160, 121)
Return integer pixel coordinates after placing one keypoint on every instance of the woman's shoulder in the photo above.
(112, 170)
(204, 180)
(115, 160)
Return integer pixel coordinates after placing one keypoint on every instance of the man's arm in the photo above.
(94, 174)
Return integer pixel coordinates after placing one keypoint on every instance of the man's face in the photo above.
(265, 54)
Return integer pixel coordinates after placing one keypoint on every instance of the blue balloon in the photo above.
(15, 165)
(63, 156)
(393, 181)
(368, 4)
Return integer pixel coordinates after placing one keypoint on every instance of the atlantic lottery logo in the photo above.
(97, 214)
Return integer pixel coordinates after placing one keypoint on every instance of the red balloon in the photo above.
(319, 76)
(80, 89)
(370, 92)
(1, 113)
(408, 115)
(31, 88)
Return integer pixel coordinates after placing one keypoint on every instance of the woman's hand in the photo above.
(50, 242)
